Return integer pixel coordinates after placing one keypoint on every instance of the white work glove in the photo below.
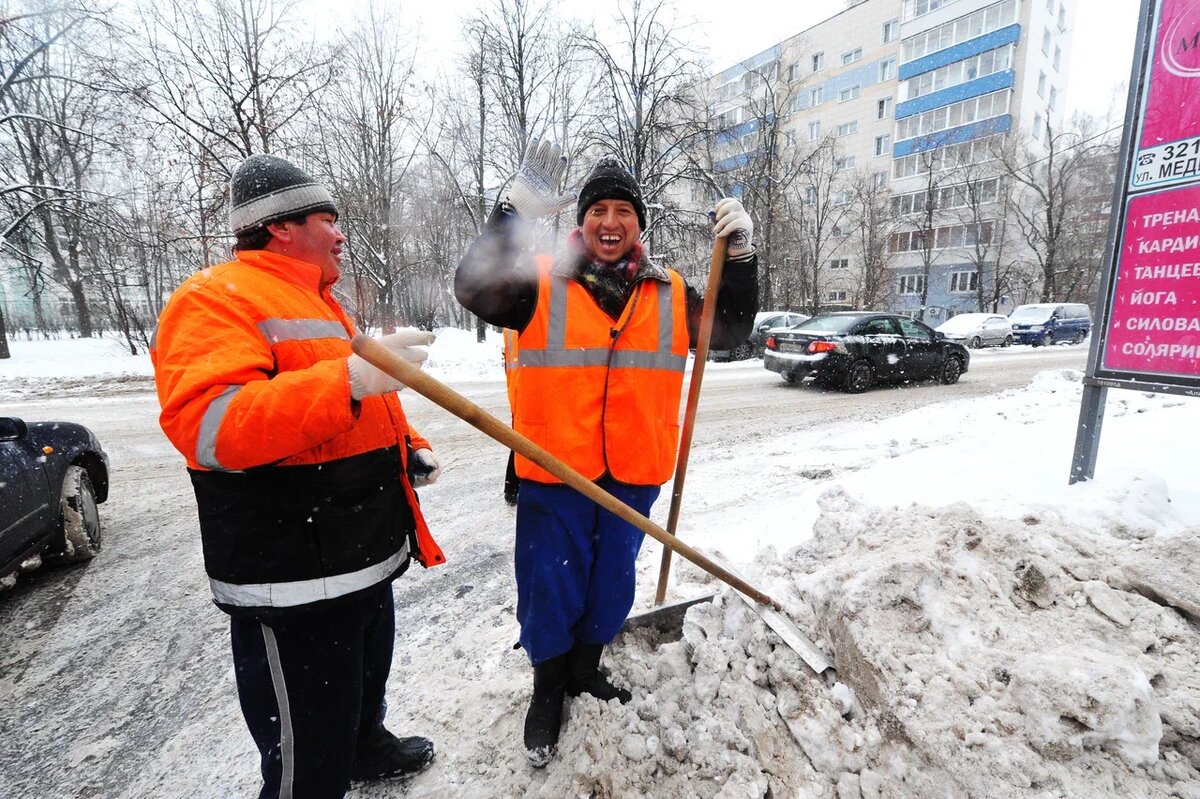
(533, 192)
(423, 468)
(367, 381)
(733, 221)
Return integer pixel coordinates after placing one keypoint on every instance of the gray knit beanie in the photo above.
(266, 188)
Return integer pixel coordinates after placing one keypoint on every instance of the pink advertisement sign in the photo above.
(1154, 325)
(1168, 147)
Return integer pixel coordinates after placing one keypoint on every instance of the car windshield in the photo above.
(963, 323)
(829, 324)
(1032, 313)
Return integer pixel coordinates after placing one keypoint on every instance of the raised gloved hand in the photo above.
(367, 381)
(533, 192)
(423, 468)
(733, 221)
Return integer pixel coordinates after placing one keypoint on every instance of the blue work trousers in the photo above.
(575, 565)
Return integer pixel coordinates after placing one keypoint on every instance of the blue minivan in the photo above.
(1051, 323)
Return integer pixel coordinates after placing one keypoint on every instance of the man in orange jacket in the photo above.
(602, 340)
(303, 465)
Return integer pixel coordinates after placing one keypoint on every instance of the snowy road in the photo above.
(115, 678)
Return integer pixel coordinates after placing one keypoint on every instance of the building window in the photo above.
(1050, 6)
(887, 69)
(814, 130)
(810, 195)
(912, 284)
(849, 93)
(816, 96)
(916, 8)
(959, 72)
(1053, 98)
(839, 198)
(1041, 84)
(952, 156)
(883, 144)
(846, 128)
(891, 29)
(941, 238)
(793, 72)
(881, 178)
(963, 282)
(1062, 18)
(818, 61)
(962, 195)
(975, 24)
(883, 109)
(1037, 125)
(963, 112)
(835, 295)
(1057, 58)
(850, 57)
(1046, 42)
(789, 138)
(844, 163)
(839, 263)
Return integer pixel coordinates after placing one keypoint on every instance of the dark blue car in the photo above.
(52, 477)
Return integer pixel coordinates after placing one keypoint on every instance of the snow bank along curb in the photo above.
(997, 658)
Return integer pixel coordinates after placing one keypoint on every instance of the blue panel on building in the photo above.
(736, 132)
(980, 44)
(972, 88)
(940, 302)
(732, 162)
(976, 130)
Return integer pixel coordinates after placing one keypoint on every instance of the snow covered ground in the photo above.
(1004, 634)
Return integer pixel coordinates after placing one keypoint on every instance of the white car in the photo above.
(975, 330)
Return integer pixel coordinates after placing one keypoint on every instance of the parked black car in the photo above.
(857, 349)
(52, 477)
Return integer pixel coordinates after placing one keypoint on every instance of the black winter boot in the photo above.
(381, 755)
(544, 719)
(585, 676)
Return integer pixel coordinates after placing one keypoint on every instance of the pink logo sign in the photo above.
(1180, 51)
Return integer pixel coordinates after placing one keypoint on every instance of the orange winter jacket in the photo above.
(603, 394)
(250, 367)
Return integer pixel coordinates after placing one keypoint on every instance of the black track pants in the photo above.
(307, 686)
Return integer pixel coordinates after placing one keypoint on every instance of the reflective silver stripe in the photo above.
(287, 736)
(277, 330)
(621, 359)
(210, 426)
(580, 357)
(636, 359)
(666, 317)
(302, 592)
(556, 335)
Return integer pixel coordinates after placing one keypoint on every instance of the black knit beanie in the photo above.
(266, 188)
(610, 180)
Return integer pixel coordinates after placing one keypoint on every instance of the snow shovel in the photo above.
(445, 397)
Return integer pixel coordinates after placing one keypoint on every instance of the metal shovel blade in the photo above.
(792, 636)
(665, 620)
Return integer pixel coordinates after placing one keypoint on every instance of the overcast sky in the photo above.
(733, 30)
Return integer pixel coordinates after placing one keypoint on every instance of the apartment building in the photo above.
(972, 73)
(911, 96)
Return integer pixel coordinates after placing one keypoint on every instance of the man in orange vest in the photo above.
(300, 457)
(603, 339)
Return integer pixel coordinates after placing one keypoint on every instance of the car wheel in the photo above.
(1008, 340)
(859, 377)
(1047, 339)
(792, 378)
(1078, 337)
(80, 517)
(975, 343)
(951, 370)
(742, 352)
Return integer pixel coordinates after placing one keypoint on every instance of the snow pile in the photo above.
(988, 657)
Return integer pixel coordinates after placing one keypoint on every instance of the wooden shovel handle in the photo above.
(703, 337)
(442, 395)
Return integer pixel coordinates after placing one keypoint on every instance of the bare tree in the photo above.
(872, 223)
(823, 212)
(1050, 182)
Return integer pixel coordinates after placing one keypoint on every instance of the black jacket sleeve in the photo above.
(497, 278)
(737, 303)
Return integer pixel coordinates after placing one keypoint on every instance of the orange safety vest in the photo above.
(250, 366)
(602, 395)
(510, 365)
